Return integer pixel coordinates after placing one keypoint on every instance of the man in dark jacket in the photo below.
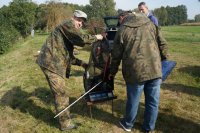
(56, 57)
(141, 47)
(144, 9)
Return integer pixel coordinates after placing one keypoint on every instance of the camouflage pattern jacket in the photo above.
(56, 55)
(140, 46)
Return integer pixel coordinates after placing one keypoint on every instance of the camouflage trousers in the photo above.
(61, 99)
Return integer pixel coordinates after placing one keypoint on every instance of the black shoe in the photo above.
(124, 127)
(70, 127)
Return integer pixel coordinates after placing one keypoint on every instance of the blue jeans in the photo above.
(152, 96)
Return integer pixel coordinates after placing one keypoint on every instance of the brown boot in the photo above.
(67, 127)
(65, 124)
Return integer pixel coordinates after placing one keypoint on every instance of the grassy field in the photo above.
(26, 103)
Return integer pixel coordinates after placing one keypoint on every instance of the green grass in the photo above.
(26, 103)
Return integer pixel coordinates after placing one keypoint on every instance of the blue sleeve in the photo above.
(154, 20)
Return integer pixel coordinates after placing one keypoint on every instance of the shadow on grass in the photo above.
(181, 88)
(21, 100)
(170, 123)
(44, 94)
(77, 73)
(191, 70)
(102, 111)
(166, 123)
(16, 98)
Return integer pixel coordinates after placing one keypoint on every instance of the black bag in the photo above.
(97, 71)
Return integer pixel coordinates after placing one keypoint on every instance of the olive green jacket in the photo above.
(140, 46)
(56, 54)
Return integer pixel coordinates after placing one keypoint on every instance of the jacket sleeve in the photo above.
(162, 44)
(116, 54)
(154, 20)
(76, 61)
(76, 36)
(88, 39)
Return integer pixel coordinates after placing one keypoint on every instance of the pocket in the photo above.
(57, 84)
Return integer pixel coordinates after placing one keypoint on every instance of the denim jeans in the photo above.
(152, 96)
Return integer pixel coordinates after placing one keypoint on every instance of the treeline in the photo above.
(21, 16)
(171, 15)
(16, 21)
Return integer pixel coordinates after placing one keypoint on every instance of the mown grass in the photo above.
(26, 103)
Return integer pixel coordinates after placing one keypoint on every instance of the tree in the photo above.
(102, 8)
(40, 17)
(56, 13)
(22, 15)
(197, 18)
(176, 15)
(162, 15)
(181, 14)
(8, 33)
(88, 10)
(171, 15)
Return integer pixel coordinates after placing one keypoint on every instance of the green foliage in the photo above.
(51, 14)
(40, 17)
(102, 8)
(95, 26)
(8, 34)
(197, 18)
(162, 15)
(22, 15)
(181, 14)
(171, 15)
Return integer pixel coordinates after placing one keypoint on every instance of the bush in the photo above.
(8, 34)
(98, 23)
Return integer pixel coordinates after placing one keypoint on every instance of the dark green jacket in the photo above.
(56, 54)
(140, 46)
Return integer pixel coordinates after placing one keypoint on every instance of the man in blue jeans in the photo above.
(141, 47)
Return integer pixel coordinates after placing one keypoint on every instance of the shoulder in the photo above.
(66, 23)
(153, 19)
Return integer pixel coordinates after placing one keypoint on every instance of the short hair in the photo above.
(124, 13)
(141, 3)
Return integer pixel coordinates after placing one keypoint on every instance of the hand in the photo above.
(85, 65)
(110, 76)
(104, 34)
(99, 37)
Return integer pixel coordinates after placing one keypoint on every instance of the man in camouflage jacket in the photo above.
(141, 47)
(56, 57)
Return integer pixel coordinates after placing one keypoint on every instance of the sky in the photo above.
(193, 6)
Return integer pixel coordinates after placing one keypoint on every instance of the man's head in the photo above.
(122, 15)
(79, 18)
(143, 7)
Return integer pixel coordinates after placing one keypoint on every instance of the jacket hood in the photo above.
(136, 20)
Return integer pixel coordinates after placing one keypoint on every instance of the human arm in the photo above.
(78, 62)
(153, 18)
(77, 36)
(162, 44)
(116, 55)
